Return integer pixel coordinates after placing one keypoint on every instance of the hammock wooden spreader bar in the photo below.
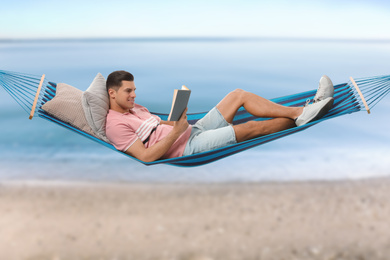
(36, 97)
(359, 94)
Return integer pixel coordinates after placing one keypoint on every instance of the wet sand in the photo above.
(301, 220)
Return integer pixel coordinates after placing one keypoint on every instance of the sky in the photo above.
(345, 19)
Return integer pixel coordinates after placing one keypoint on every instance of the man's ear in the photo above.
(111, 93)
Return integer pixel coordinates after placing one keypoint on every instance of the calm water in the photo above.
(352, 146)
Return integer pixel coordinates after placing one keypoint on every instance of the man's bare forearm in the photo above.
(156, 151)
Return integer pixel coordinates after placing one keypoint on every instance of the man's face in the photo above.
(124, 97)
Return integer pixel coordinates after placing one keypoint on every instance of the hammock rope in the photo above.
(23, 88)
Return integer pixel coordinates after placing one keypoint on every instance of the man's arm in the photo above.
(157, 150)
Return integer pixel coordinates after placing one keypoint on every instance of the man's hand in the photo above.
(157, 150)
(181, 125)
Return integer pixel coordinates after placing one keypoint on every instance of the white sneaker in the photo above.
(314, 111)
(325, 89)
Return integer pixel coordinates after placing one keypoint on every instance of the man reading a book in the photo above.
(132, 129)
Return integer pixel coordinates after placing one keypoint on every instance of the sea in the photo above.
(354, 146)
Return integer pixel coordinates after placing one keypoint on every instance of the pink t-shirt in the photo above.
(124, 129)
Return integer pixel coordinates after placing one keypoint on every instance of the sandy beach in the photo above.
(301, 220)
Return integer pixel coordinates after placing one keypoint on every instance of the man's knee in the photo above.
(238, 91)
(237, 94)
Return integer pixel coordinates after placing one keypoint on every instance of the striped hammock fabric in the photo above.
(355, 95)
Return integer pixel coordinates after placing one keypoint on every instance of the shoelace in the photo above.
(308, 101)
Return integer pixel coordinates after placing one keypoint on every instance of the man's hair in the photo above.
(114, 80)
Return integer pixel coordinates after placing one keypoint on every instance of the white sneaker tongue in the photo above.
(319, 96)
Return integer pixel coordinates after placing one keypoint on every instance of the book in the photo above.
(179, 103)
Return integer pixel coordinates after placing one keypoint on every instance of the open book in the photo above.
(179, 103)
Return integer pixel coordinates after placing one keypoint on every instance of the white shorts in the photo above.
(209, 133)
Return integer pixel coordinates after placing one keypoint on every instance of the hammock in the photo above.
(31, 92)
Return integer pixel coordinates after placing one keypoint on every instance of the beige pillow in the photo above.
(96, 103)
(66, 106)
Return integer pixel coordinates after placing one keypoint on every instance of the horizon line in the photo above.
(193, 39)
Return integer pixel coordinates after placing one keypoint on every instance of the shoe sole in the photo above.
(323, 111)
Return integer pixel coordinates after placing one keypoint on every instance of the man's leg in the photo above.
(255, 105)
(254, 129)
(283, 117)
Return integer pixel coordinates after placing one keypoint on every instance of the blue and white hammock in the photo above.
(31, 92)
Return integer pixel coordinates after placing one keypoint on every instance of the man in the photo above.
(132, 129)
